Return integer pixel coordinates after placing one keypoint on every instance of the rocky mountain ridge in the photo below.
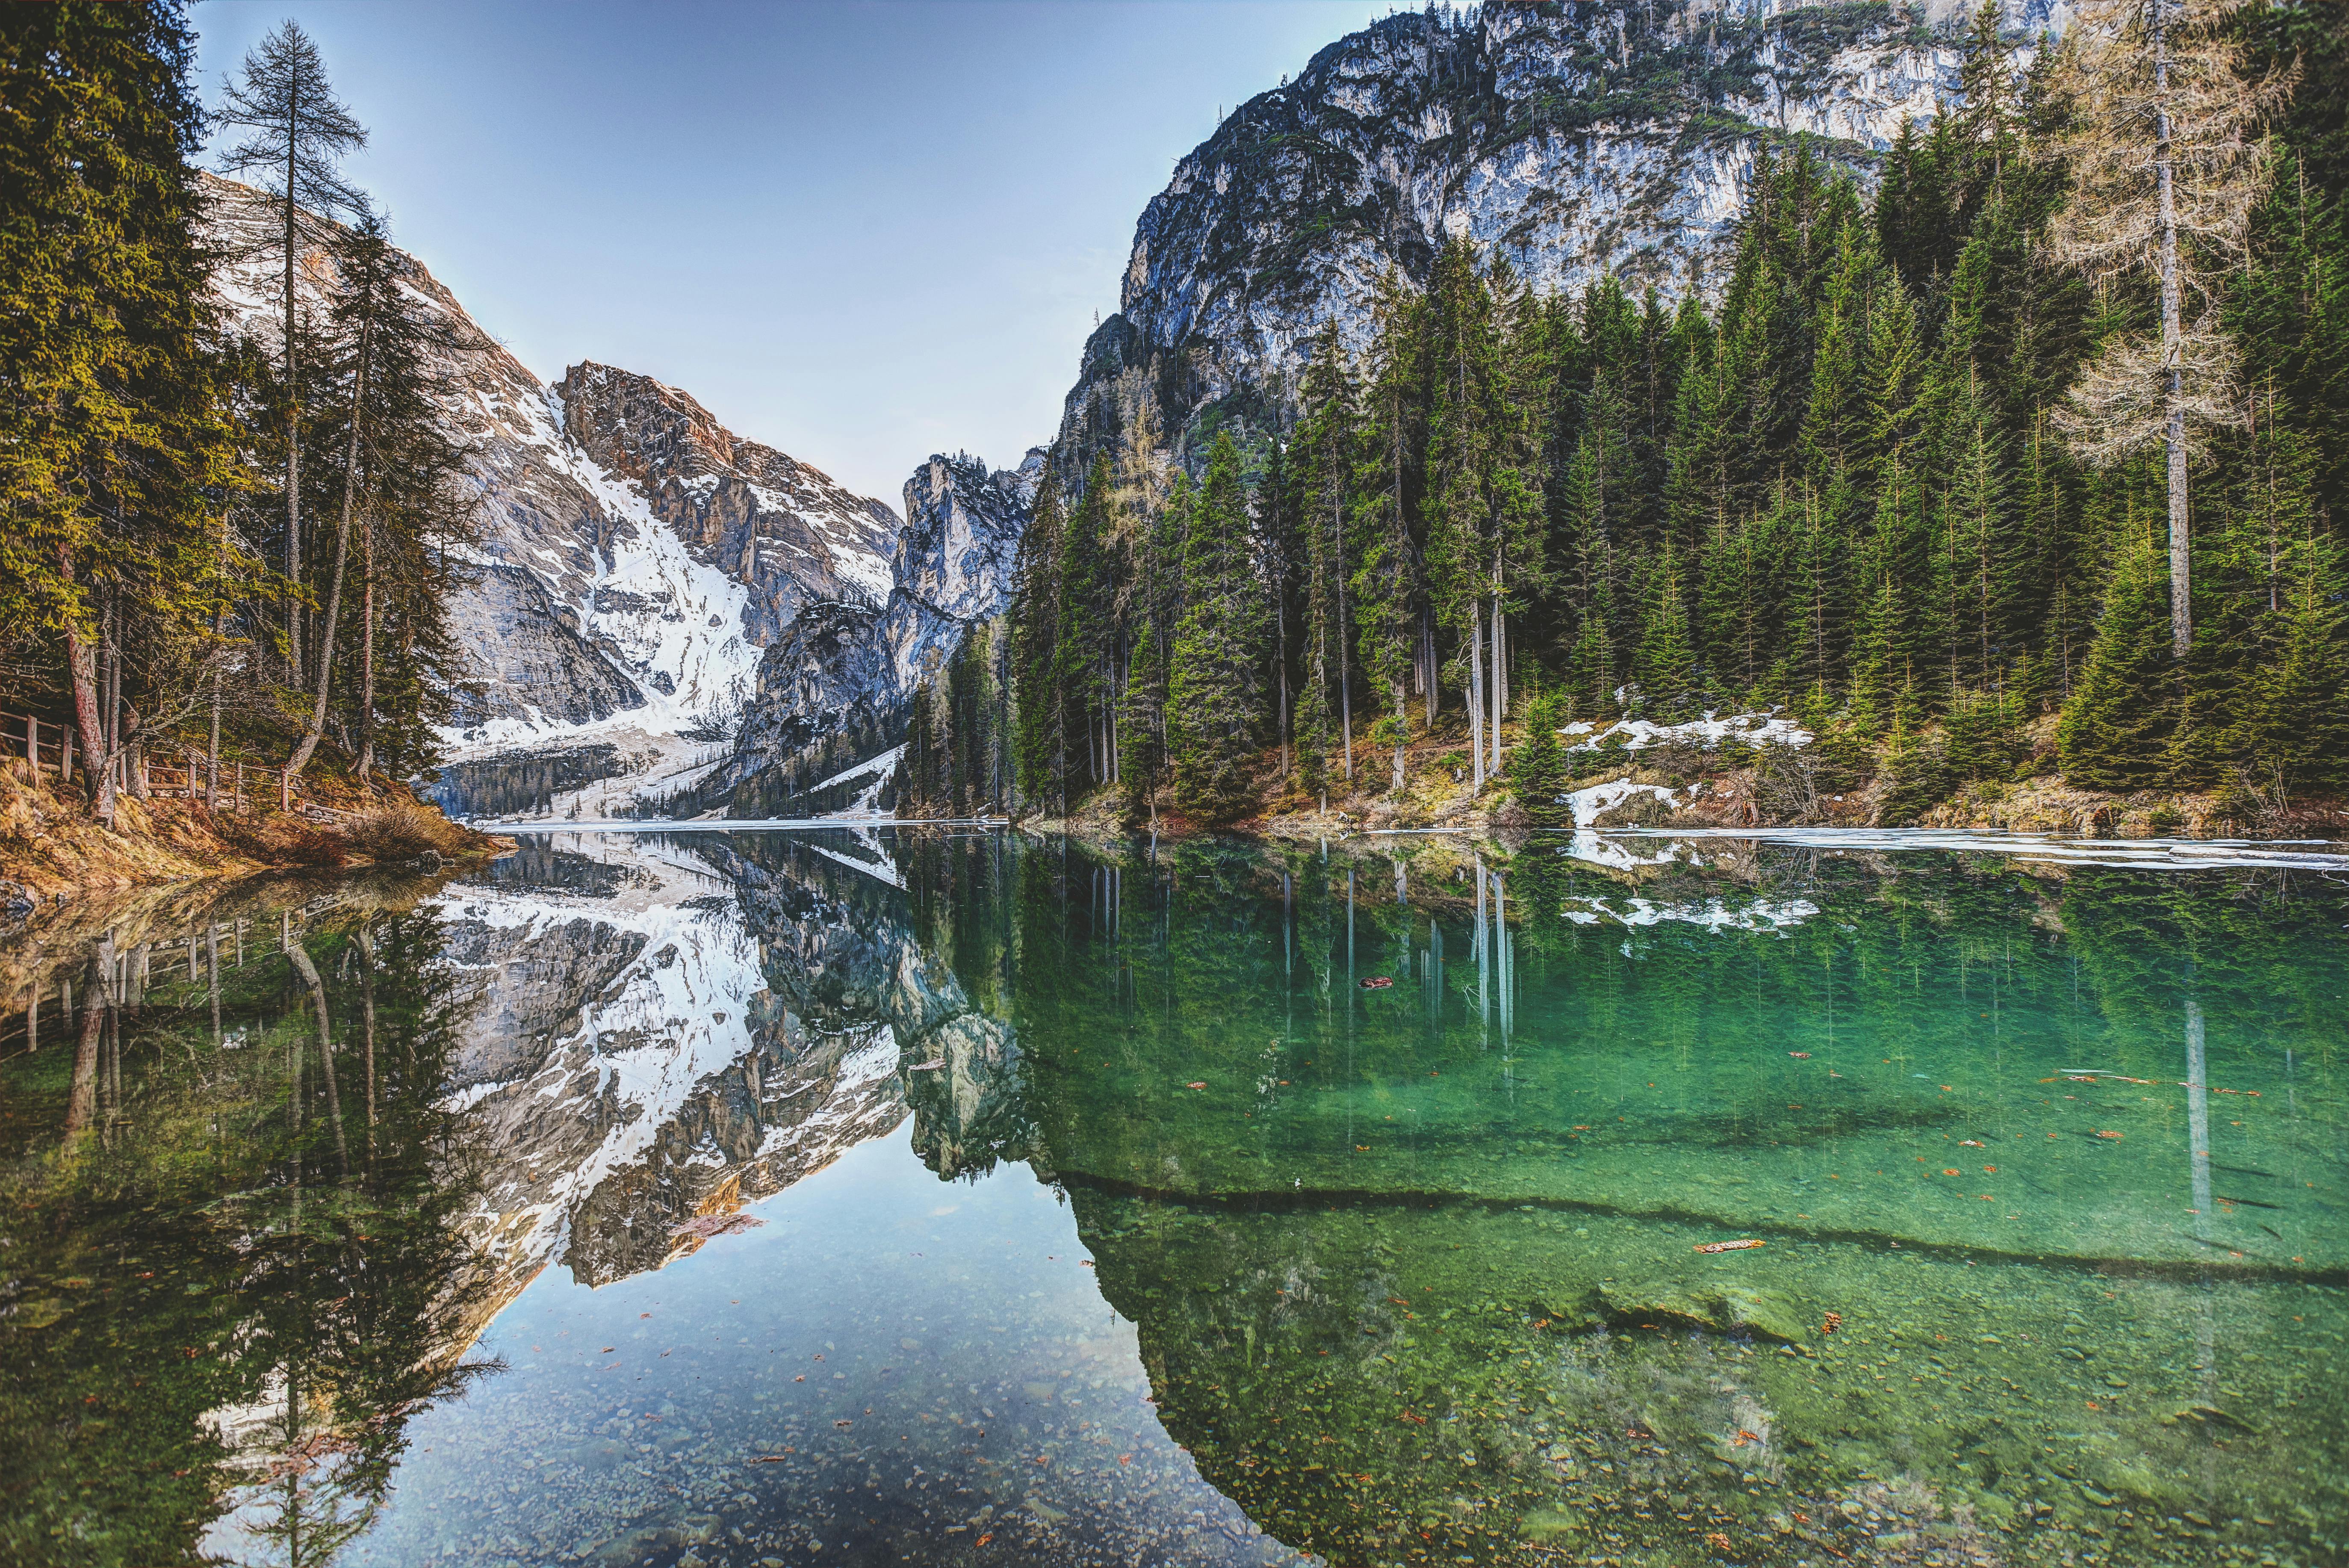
(1578, 138)
(634, 555)
(819, 736)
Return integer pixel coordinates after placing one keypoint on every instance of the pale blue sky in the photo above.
(858, 231)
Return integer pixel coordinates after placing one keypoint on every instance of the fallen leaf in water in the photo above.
(708, 1226)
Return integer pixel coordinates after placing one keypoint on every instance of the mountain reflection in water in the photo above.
(945, 1197)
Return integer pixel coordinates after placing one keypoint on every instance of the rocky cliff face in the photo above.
(820, 734)
(784, 531)
(1576, 138)
(636, 555)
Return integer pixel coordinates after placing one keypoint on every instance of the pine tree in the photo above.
(1386, 585)
(1154, 605)
(2117, 729)
(115, 440)
(297, 134)
(1326, 454)
(1038, 746)
(2291, 643)
(1214, 684)
(1539, 772)
(1667, 672)
(1082, 650)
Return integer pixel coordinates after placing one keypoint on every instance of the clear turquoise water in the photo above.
(1103, 1213)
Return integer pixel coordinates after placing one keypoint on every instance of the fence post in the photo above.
(284, 789)
(64, 763)
(33, 745)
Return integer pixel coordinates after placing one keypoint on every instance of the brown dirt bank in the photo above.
(52, 849)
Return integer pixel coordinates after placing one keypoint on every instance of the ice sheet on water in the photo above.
(2147, 854)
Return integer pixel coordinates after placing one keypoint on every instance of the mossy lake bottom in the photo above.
(854, 1197)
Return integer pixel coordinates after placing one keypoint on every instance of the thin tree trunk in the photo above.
(342, 555)
(111, 631)
(366, 649)
(81, 665)
(1402, 719)
(1427, 679)
(1476, 691)
(1345, 644)
(293, 415)
(1500, 684)
(2181, 605)
(1282, 617)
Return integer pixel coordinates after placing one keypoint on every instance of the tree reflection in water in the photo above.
(229, 1199)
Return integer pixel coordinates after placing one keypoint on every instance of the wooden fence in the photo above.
(46, 743)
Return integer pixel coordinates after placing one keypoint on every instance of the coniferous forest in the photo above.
(225, 542)
(2025, 456)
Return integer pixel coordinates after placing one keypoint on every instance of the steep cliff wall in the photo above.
(833, 691)
(1576, 138)
(636, 555)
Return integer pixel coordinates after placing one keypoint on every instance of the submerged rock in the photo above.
(1715, 1309)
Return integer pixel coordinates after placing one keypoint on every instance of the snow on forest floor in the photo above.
(1754, 729)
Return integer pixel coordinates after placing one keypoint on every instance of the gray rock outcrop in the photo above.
(1576, 140)
(833, 691)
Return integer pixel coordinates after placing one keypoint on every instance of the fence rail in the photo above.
(48, 744)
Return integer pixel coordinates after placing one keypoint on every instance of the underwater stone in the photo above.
(1722, 1309)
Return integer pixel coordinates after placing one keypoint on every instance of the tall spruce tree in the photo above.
(1216, 681)
(296, 134)
(118, 445)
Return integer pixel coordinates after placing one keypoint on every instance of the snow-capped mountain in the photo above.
(636, 555)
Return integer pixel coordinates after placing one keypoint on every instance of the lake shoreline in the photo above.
(1656, 798)
(54, 851)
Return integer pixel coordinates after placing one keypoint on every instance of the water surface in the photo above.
(852, 1196)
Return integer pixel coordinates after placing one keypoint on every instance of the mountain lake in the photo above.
(865, 1196)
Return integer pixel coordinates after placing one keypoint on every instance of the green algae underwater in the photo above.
(2038, 1176)
(2046, 1175)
